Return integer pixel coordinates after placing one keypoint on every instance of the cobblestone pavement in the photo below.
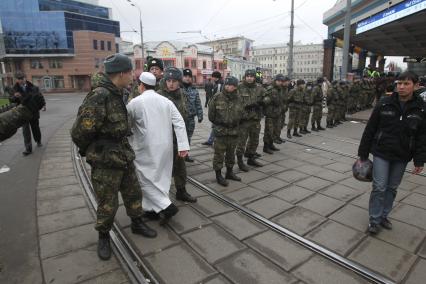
(306, 190)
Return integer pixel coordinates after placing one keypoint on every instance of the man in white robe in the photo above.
(153, 118)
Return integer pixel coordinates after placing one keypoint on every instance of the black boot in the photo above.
(104, 246)
(220, 179)
(267, 150)
(167, 214)
(329, 124)
(289, 134)
(272, 147)
(139, 227)
(256, 155)
(241, 164)
(151, 215)
(231, 175)
(183, 195)
(189, 159)
(295, 134)
(313, 128)
(252, 162)
(319, 126)
(306, 130)
(302, 131)
(278, 141)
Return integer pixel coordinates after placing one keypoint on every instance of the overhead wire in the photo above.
(309, 27)
(216, 14)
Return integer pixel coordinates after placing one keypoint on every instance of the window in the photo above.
(55, 63)
(204, 64)
(186, 64)
(102, 45)
(193, 63)
(36, 64)
(116, 48)
(58, 82)
(109, 45)
(168, 63)
(214, 65)
(95, 44)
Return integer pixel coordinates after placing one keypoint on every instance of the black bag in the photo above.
(363, 170)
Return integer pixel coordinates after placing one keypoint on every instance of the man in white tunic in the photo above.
(153, 118)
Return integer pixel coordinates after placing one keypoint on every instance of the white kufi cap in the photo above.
(148, 78)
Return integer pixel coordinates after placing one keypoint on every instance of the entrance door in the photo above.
(47, 82)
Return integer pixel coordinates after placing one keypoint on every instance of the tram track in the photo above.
(140, 272)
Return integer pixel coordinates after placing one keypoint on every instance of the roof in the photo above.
(179, 45)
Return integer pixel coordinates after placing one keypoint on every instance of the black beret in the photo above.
(117, 63)
(155, 62)
(172, 73)
(231, 81)
(187, 72)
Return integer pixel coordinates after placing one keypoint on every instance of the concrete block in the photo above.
(291, 176)
(187, 219)
(269, 184)
(321, 204)
(245, 195)
(299, 220)
(293, 193)
(410, 214)
(352, 216)
(341, 192)
(269, 206)
(209, 206)
(63, 220)
(66, 203)
(313, 183)
(238, 225)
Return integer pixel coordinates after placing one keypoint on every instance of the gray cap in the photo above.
(231, 80)
(117, 63)
(172, 73)
(279, 77)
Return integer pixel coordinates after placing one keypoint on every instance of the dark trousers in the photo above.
(34, 127)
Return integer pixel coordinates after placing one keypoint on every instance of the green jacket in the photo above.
(225, 112)
(12, 119)
(317, 95)
(295, 97)
(308, 96)
(251, 98)
(180, 99)
(272, 101)
(101, 128)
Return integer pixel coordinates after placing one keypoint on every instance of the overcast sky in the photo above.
(265, 21)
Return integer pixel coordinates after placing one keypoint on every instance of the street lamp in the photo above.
(141, 28)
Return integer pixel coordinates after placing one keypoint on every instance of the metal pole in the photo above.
(141, 27)
(346, 39)
(290, 44)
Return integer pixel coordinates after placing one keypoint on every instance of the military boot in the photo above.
(295, 134)
(272, 147)
(241, 164)
(267, 150)
(139, 227)
(313, 128)
(252, 162)
(278, 141)
(319, 126)
(289, 134)
(306, 130)
(329, 124)
(183, 195)
(167, 213)
(302, 131)
(104, 246)
(231, 175)
(220, 179)
(256, 155)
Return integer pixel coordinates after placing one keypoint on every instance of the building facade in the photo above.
(197, 57)
(233, 46)
(58, 44)
(237, 66)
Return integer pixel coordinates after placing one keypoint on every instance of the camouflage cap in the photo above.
(172, 73)
(300, 82)
(117, 63)
(231, 80)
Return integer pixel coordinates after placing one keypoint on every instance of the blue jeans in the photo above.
(387, 176)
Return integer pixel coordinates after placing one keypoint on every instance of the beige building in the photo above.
(197, 57)
(233, 46)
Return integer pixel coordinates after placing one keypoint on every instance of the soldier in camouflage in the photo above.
(14, 118)
(272, 110)
(295, 100)
(156, 67)
(284, 103)
(194, 106)
(225, 112)
(173, 91)
(317, 105)
(308, 101)
(100, 131)
(332, 97)
(251, 96)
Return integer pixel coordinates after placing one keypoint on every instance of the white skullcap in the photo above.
(148, 78)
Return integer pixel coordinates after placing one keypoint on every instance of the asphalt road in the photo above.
(19, 257)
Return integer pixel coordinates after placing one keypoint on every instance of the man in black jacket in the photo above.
(21, 90)
(395, 134)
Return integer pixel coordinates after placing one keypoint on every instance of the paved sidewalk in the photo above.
(67, 238)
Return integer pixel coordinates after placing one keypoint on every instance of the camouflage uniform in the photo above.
(317, 106)
(284, 105)
(100, 131)
(12, 119)
(225, 111)
(195, 109)
(332, 97)
(180, 99)
(272, 111)
(306, 107)
(295, 105)
(251, 96)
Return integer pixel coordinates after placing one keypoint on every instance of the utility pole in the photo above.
(346, 40)
(290, 44)
(141, 28)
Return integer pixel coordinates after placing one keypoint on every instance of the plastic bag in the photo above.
(363, 170)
